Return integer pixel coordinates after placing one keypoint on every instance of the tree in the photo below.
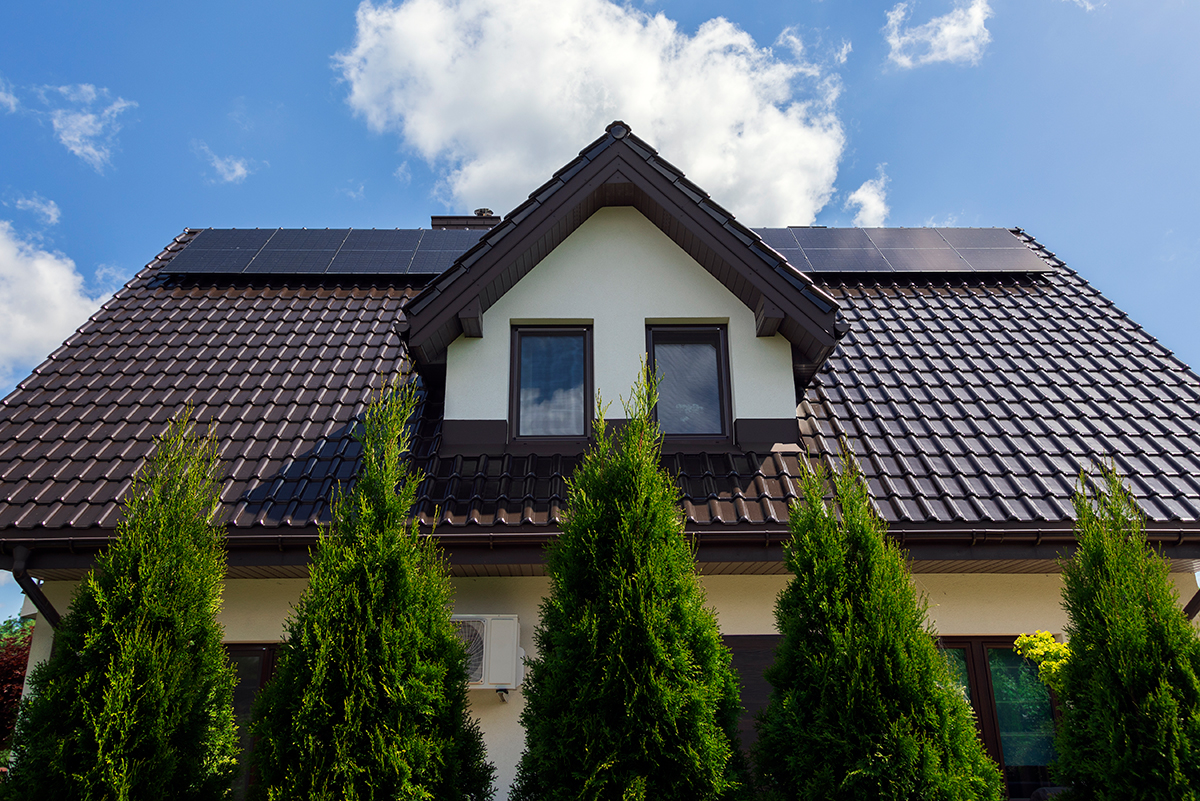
(632, 694)
(1130, 687)
(863, 705)
(136, 699)
(369, 699)
(16, 636)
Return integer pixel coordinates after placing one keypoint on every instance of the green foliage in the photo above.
(1047, 653)
(863, 704)
(369, 698)
(136, 700)
(632, 694)
(1130, 726)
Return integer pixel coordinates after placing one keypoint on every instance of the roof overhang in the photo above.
(619, 169)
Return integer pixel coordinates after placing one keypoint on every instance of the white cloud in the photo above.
(352, 193)
(843, 52)
(230, 170)
(403, 173)
(871, 200)
(88, 125)
(496, 96)
(957, 37)
(1086, 6)
(8, 100)
(42, 301)
(46, 209)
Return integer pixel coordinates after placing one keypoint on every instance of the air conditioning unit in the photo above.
(494, 653)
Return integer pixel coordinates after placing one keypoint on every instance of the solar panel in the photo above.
(459, 241)
(393, 239)
(307, 239)
(906, 238)
(795, 257)
(370, 261)
(209, 261)
(427, 262)
(914, 260)
(831, 238)
(291, 261)
(981, 238)
(231, 238)
(1004, 260)
(847, 260)
(778, 238)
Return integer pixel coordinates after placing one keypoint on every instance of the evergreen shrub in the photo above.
(369, 697)
(16, 636)
(632, 694)
(1129, 690)
(863, 704)
(136, 700)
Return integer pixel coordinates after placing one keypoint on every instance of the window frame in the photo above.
(724, 378)
(514, 383)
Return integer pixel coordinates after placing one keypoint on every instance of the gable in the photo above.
(617, 254)
(620, 170)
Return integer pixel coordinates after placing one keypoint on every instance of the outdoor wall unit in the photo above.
(494, 653)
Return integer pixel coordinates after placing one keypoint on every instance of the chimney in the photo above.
(482, 220)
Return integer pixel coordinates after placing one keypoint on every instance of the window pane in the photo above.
(957, 657)
(552, 396)
(1025, 720)
(249, 674)
(689, 392)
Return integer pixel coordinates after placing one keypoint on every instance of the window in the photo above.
(692, 365)
(255, 664)
(552, 382)
(1013, 710)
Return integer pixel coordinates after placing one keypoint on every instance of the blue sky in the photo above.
(123, 123)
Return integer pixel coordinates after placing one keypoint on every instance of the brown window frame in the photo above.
(268, 651)
(514, 384)
(983, 697)
(724, 378)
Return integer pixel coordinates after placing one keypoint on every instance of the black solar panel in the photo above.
(307, 239)
(432, 262)
(1004, 260)
(210, 261)
(847, 260)
(371, 261)
(458, 241)
(291, 261)
(981, 238)
(231, 238)
(395, 239)
(778, 238)
(884, 238)
(926, 260)
(831, 238)
(795, 257)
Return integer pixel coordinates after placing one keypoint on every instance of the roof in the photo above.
(973, 400)
(619, 169)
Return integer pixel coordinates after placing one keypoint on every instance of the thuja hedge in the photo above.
(136, 700)
(632, 694)
(369, 698)
(863, 704)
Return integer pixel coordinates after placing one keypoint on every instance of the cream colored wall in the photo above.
(617, 271)
(255, 610)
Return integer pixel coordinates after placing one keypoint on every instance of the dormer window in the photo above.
(692, 364)
(552, 385)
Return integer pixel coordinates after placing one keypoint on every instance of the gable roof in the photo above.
(619, 169)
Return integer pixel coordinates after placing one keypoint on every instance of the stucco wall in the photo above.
(618, 272)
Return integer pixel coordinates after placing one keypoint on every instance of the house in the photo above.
(973, 374)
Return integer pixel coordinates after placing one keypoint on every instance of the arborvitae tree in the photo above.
(16, 637)
(136, 700)
(632, 694)
(369, 697)
(1129, 690)
(863, 705)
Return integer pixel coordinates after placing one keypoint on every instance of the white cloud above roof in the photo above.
(229, 169)
(8, 100)
(871, 201)
(46, 209)
(496, 96)
(957, 37)
(42, 301)
(86, 120)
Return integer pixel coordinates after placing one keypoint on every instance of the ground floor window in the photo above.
(254, 665)
(1013, 710)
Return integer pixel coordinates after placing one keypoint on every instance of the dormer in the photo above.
(619, 258)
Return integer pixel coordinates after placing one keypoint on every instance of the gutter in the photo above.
(31, 588)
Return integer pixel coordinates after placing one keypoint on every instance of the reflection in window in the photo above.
(1024, 717)
(553, 399)
(957, 657)
(690, 365)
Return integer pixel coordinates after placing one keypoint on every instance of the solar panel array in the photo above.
(349, 251)
(903, 250)
(328, 251)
